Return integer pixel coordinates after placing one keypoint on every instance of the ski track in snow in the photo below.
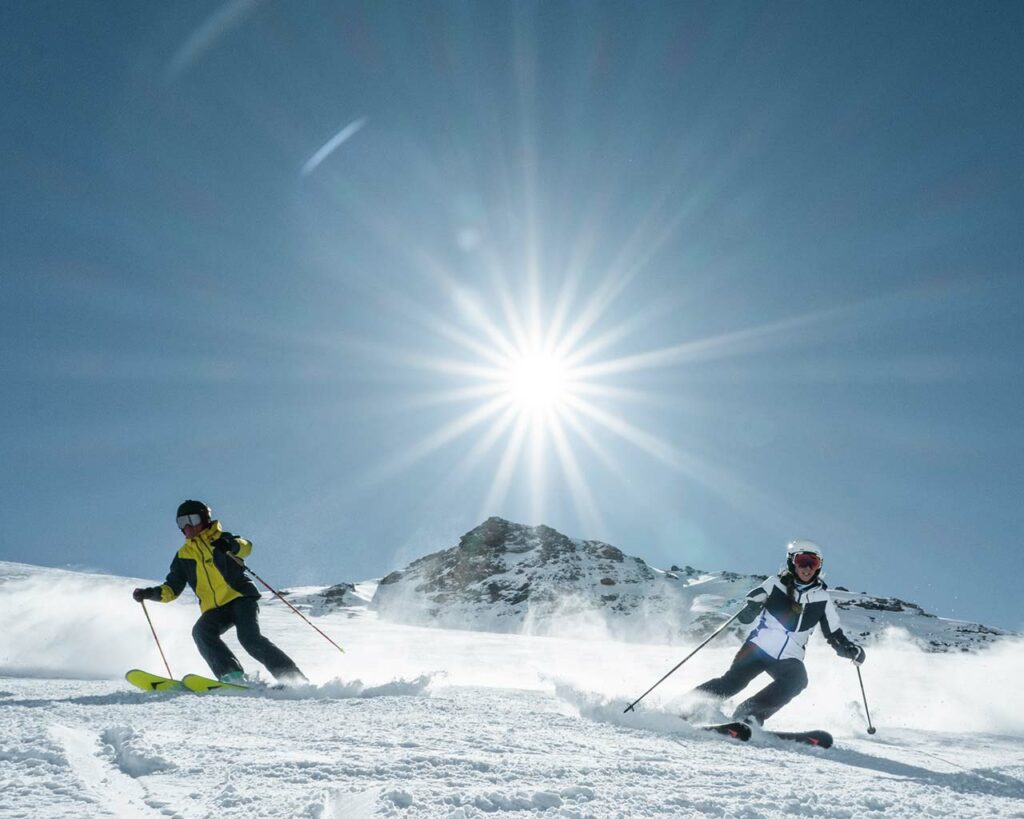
(414, 722)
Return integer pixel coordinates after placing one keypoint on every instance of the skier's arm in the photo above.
(755, 602)
(174, 583)
(171, 588)
(833, 631)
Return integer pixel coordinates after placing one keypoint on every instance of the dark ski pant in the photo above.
(789, 678)
(243, 614)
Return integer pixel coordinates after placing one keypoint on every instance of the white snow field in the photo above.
(416, 722)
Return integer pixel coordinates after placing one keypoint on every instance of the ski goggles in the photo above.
(189, 520)
(807, 560)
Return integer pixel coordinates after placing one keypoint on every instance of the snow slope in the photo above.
(416, 722)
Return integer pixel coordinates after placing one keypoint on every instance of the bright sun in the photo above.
(538, 382)
(539, 392)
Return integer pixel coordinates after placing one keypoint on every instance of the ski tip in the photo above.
(148, 681)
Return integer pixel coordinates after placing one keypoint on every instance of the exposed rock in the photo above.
(323, 601)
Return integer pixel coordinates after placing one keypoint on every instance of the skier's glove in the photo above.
(152, 593)
(852, 651)
(226, 544)
(750, 611)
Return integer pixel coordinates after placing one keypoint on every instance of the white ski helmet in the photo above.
(802, 547)
(796, 547)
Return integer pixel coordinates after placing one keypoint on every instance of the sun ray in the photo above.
(500, 348)
(594, 389)
(569, 415)
(612, 336)
(563, 304)
(454, 429)
(537, 467)
(526, 66)
(509, 461)
(739, 342)
(583, 499)
(482, 447)
(650, 444)
(449, 366)
(520, 333)
(471, 308)
(493, 354)
(591, 312)
(454, 395)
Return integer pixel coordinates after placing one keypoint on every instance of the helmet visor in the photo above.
(807, 560)
(189, 520)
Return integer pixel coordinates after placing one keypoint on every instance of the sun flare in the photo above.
(539, 393)
(538, 382)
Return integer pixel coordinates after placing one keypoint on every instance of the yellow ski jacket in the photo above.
(214, 576)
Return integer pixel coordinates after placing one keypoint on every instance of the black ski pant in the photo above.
(789, 678)
(243, 614)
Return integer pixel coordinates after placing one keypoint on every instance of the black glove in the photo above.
(226, 544)
(750, 611)
(152, 593)
(852, 651)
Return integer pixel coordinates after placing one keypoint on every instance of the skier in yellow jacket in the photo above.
(210, 562)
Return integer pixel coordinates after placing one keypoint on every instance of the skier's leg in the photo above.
(247, 627)
(206, 632)
(747, 664)
(789, 678)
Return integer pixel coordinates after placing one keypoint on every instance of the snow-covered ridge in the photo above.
(507, 577)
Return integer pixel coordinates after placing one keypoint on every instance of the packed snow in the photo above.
(428, 722)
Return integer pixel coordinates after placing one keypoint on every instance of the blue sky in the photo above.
(776, 248)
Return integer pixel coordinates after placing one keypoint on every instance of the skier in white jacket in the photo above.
(787, 608)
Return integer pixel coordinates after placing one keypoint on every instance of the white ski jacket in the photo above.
(783, 626)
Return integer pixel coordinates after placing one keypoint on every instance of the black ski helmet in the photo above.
(194, 507)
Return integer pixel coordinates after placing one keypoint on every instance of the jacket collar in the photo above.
(208, 535)
(816, 583)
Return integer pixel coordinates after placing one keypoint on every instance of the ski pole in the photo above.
(159, 647)
(720, 629)
(280, 597)
(871, 728)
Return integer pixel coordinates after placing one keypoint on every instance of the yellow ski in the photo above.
(203, 685)
(151, 682)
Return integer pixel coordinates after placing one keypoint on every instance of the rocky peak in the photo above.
(491, 535)
(510, 574)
